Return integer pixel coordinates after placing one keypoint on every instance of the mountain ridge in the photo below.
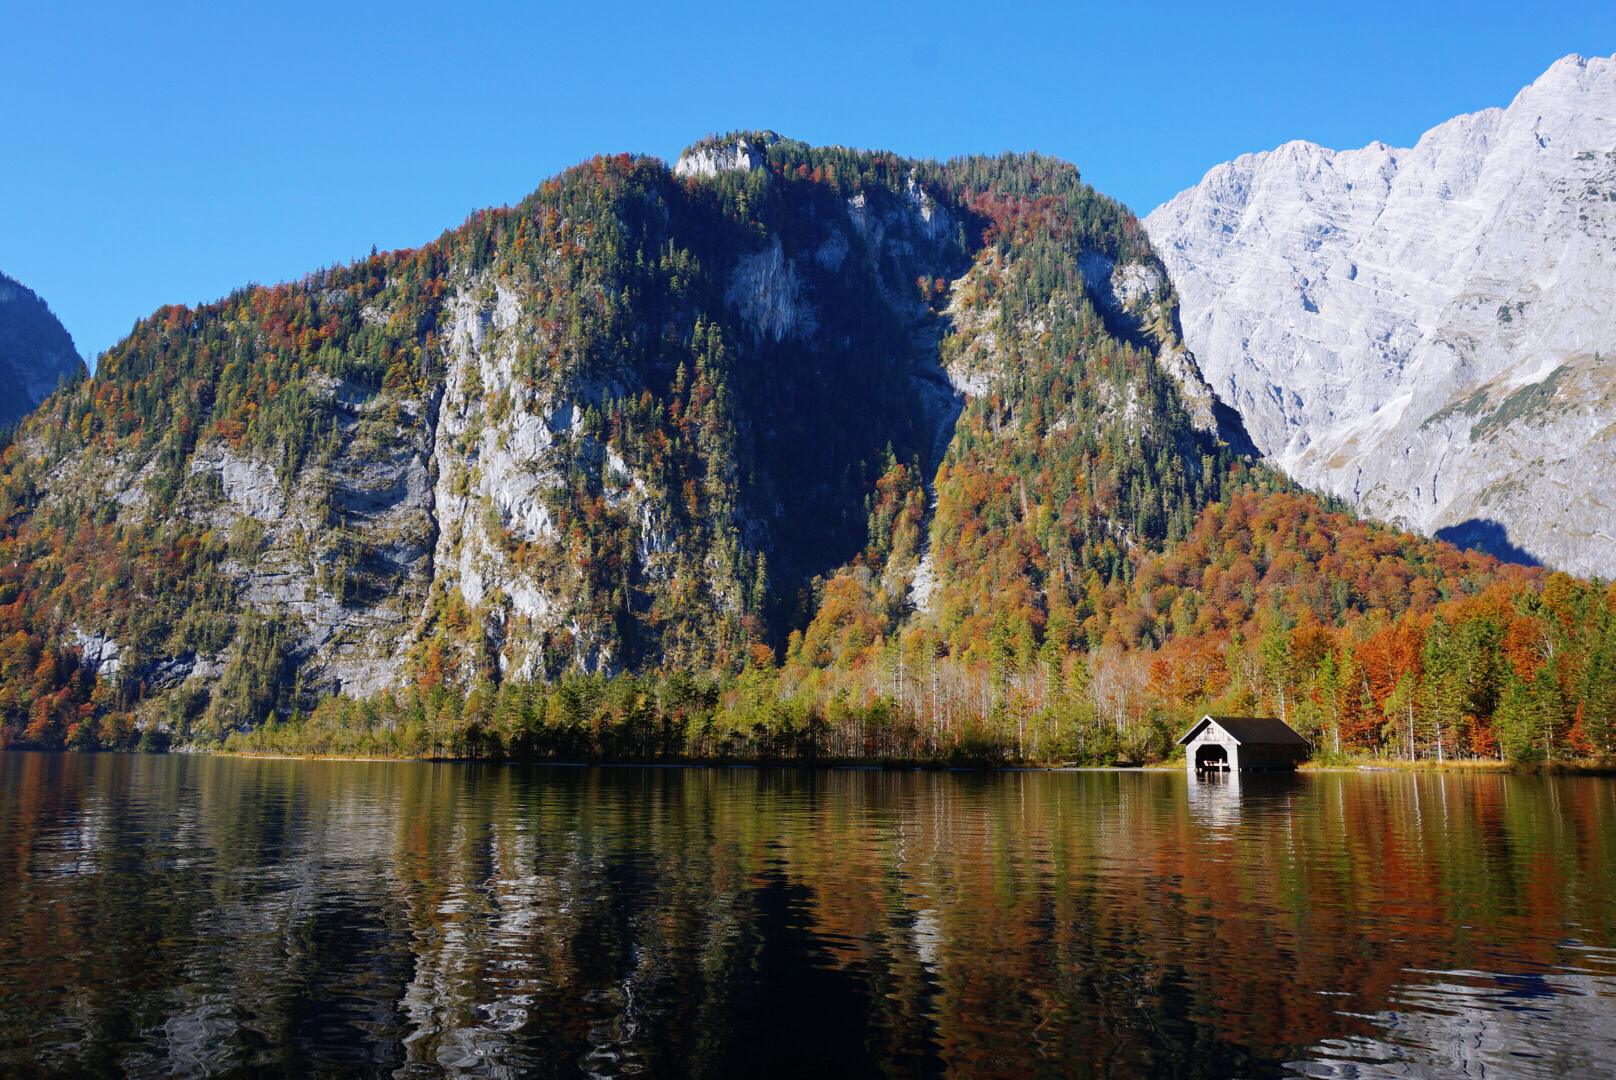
(37, 353)
(1425, 332)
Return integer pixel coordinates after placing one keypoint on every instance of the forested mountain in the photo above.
(782, 450)
(1427, 332)
(36, 351)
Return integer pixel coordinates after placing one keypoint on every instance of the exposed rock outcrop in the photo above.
(1133, 295)
(713, 157)
(765, 291)
(1429, 332)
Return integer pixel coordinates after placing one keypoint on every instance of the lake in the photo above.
(194, 916)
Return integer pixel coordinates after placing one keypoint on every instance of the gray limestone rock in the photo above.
(1426, 332)
(712, 158)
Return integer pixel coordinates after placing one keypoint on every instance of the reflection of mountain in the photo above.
(202, 916)
(1473, 1024)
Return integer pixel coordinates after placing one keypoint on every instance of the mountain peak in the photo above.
(1381, 324)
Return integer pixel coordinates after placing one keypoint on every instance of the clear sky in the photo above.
(168, 152)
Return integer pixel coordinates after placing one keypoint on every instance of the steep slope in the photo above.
(634, 423)
(1428, 333)
(36, 351)
(1086, 438)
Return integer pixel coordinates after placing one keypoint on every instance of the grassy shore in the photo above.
(1575, 767)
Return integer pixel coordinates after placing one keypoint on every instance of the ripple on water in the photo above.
(1480, 1024)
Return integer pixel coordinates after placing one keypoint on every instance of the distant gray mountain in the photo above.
(1429, 333)
(36, 351)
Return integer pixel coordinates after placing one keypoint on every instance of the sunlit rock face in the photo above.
(713, 157)
(1426, 332)
(36, 351)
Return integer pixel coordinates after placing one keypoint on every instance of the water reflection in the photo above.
(194, 917)
(1215, 799)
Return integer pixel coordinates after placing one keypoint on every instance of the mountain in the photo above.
(1428, 333)
(643, 421)
(36, 351)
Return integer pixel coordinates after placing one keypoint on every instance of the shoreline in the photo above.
(1472, 767)
(1581, 767)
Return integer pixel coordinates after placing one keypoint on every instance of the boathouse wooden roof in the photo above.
(1248, 731)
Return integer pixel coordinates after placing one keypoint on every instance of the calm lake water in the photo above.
(180, 916)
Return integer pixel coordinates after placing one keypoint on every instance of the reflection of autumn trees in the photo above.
(1144, 923)
(1101, 917)
(979, 924)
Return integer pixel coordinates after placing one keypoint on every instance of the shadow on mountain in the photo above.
(1485, 534)
(1232, 429)
(1231, 426)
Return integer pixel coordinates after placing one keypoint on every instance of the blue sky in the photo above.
(169, 152)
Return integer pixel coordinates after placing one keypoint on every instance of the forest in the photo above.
(1375, 644)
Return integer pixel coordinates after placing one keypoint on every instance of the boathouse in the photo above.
(1233, 743)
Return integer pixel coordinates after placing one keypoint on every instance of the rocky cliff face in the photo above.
(36, 351)
(1428, 332)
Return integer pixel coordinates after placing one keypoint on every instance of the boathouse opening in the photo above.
(1210, 757)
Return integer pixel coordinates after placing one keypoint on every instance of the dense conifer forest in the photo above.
(929, 492)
